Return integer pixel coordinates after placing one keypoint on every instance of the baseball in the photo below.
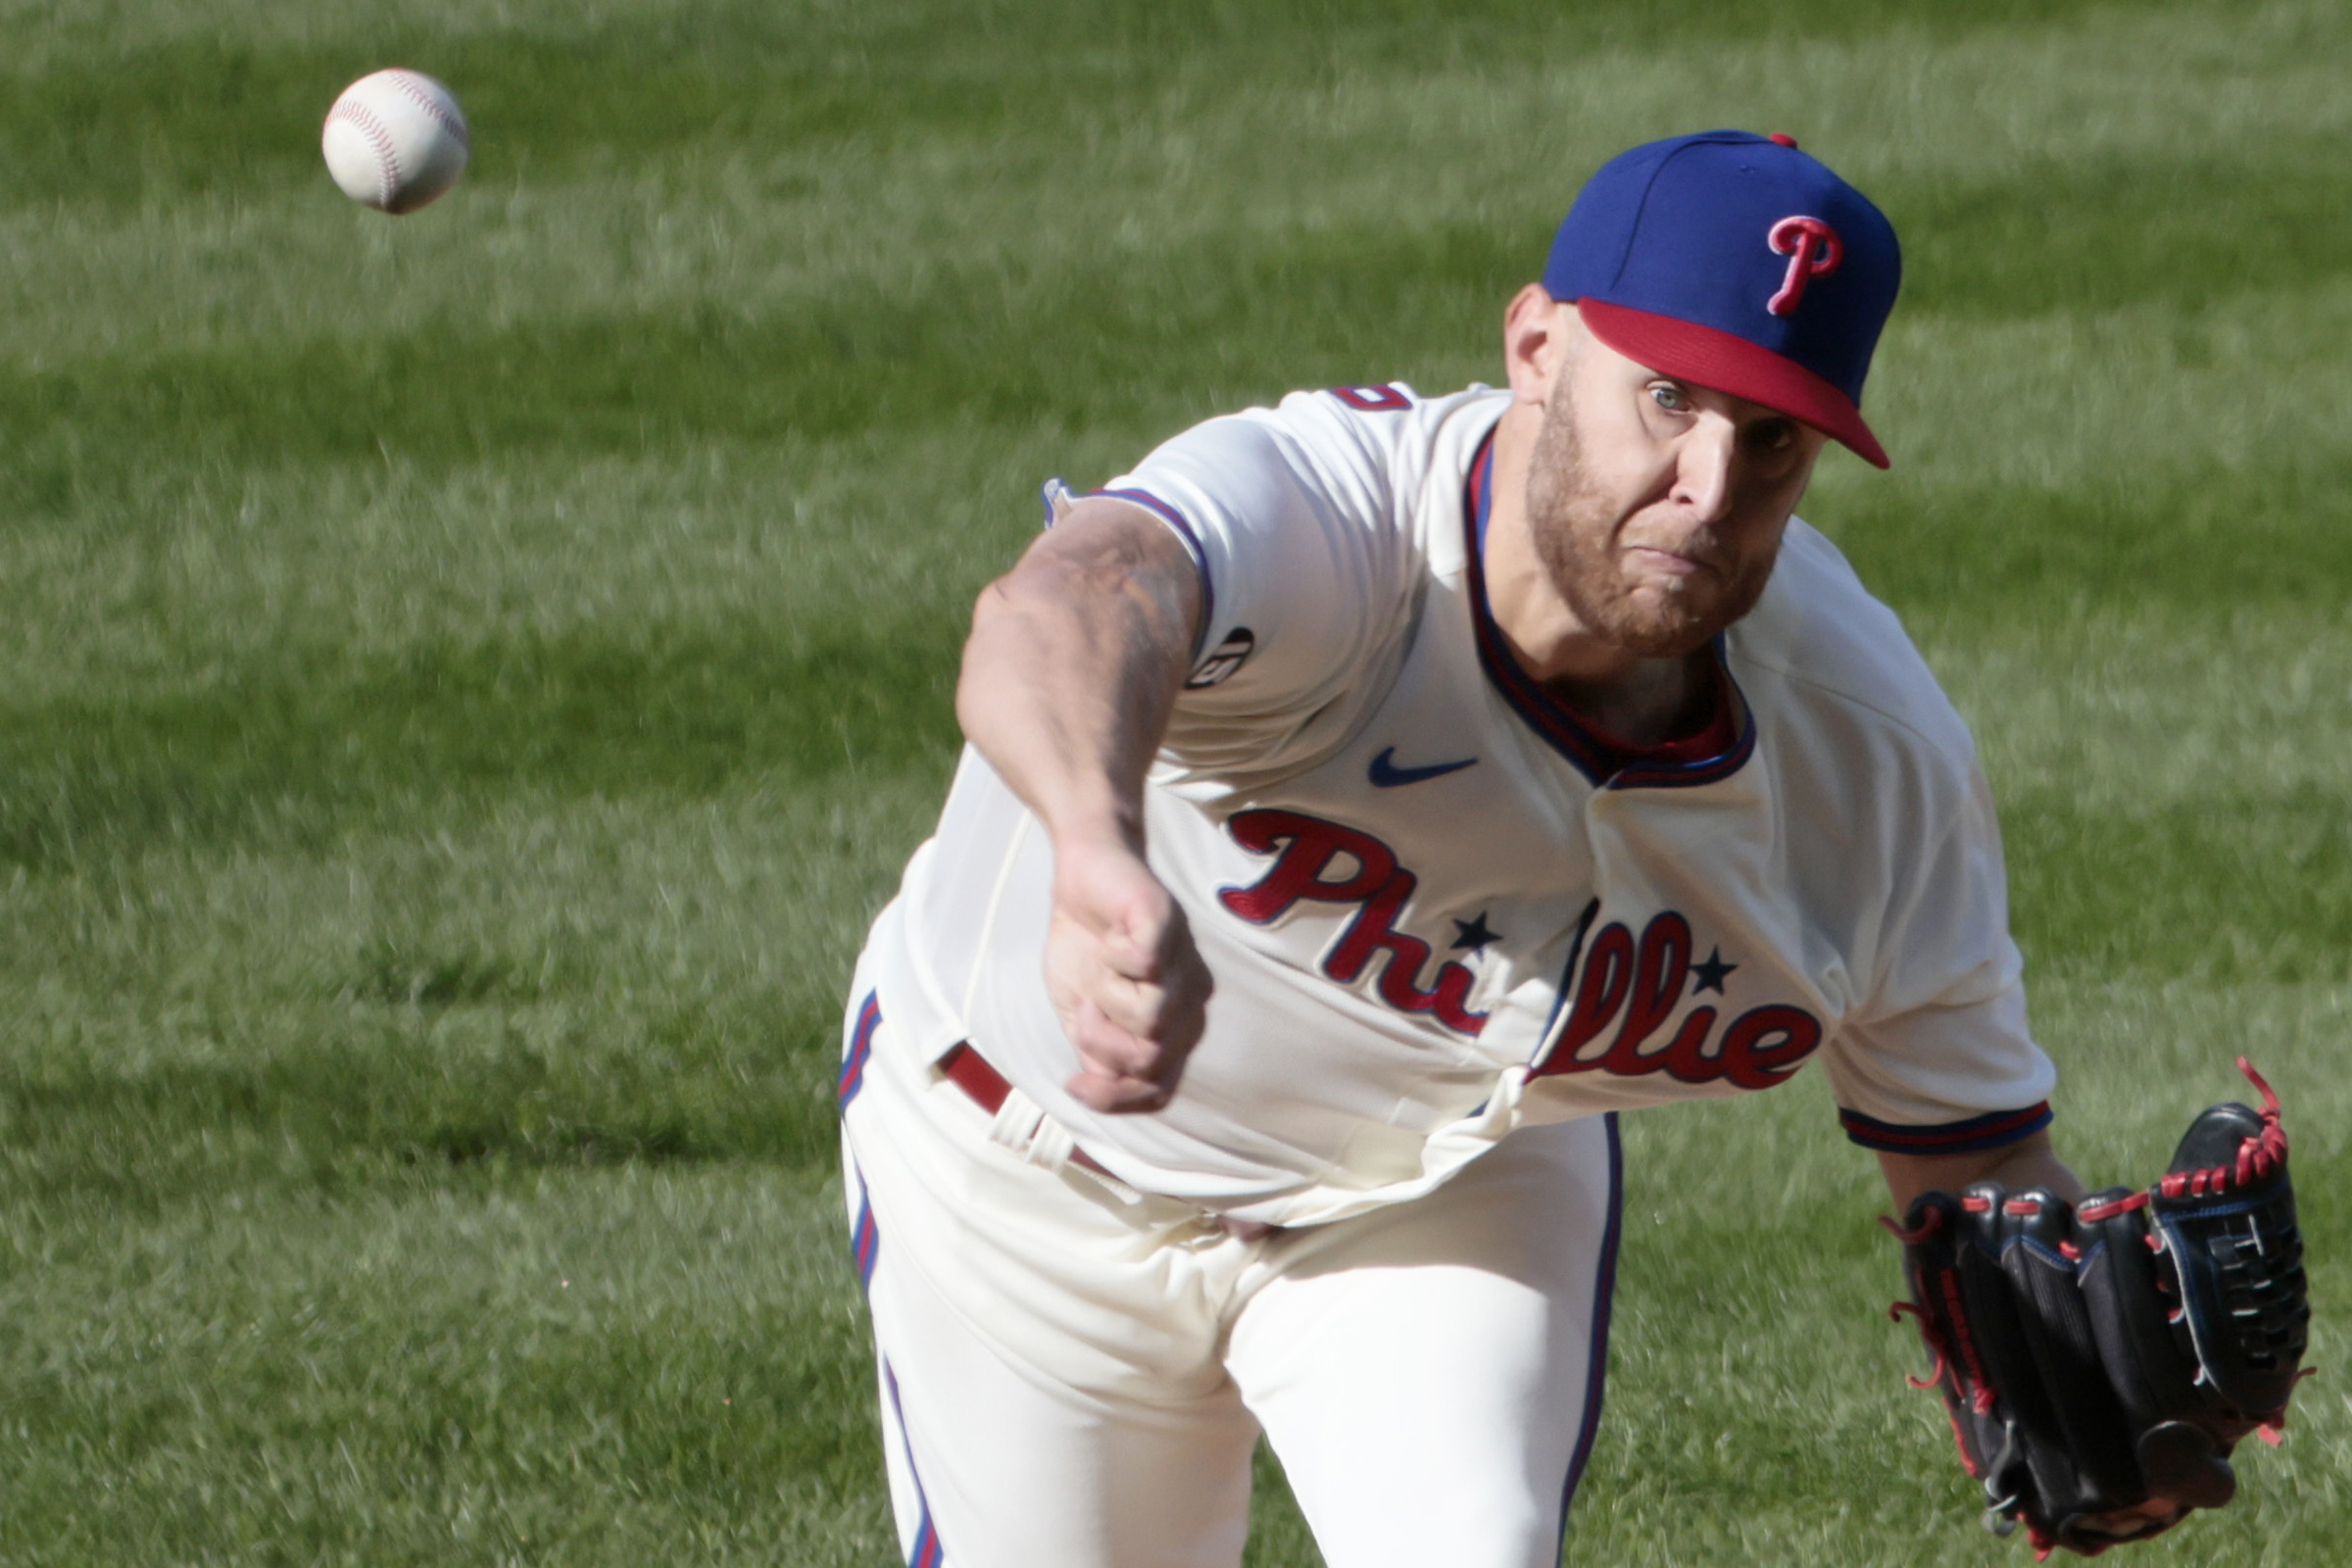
(395, 140)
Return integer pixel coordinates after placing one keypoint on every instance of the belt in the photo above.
(969, 1071)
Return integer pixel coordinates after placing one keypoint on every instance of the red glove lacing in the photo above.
(2258, 1157)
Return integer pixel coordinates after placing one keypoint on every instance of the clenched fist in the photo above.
(1124, 977)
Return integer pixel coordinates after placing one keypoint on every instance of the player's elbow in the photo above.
(977, 677)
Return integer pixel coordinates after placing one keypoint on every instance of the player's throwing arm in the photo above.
(1074, 661)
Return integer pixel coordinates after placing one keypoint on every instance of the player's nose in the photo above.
(1704, 464)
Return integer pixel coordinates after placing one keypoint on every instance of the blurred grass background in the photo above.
(471, 677)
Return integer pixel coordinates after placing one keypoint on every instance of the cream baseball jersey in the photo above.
(1438, 907)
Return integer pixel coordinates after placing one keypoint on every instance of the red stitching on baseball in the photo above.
(387, 161)
(412, 83)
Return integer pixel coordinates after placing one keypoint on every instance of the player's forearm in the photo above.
(2027, 1162)
(1073, 664)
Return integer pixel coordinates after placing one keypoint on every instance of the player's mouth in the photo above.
(1668, 562)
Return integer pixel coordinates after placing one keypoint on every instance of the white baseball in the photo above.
(395, 140)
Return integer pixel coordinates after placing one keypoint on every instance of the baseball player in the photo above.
(1367, 799)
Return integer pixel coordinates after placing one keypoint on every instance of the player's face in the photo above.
(1657, 507)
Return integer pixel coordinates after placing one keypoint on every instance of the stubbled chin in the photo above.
(1659, 621)
(1657, 639)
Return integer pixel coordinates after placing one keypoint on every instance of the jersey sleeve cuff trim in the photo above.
(1989, 1131)
(1191, 542)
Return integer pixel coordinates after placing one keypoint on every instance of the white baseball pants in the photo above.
(1073, 1377)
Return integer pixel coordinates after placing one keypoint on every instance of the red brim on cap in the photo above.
(1701, 355)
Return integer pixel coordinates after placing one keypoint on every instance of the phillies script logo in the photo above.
(1637, 985)
(1813, 249)
(1308, 869)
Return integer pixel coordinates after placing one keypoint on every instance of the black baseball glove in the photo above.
(2100, 1360)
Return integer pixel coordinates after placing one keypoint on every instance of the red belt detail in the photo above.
(970, 1072)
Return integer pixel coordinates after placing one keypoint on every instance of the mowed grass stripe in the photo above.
(542, 982)
(1198, 148)
(301, 744)
(1095, 336)
(2099, 233)
(175, 589)
(2118, 541)
(432, 1063)
(1066, 348)
(217, 111)
(2236, 882)
(93, 113)
(639, 1365)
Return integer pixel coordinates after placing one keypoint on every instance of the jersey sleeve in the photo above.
(1295, 520)
(1939, 1059)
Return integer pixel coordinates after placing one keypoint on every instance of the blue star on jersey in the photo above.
(1473, 935)
(1624, 998)
(1710, 974)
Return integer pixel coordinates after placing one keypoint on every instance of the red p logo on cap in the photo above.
(1813, 250)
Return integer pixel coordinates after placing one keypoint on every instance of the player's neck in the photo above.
(1638, 701)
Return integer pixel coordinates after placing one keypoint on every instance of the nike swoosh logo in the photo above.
(1387, 775)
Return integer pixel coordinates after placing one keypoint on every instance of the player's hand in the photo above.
(1124, 976)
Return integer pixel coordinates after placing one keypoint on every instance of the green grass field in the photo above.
(471, 678)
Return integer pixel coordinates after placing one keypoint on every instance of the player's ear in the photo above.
(1535, 331)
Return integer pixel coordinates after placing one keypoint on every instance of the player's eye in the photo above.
(1670, 397)
(1772, 435)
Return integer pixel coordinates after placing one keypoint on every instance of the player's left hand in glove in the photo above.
(2099, 1361)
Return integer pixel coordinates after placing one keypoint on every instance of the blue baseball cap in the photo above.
(1736, 262)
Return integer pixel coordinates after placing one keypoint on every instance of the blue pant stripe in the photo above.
(1605, 1290)
(927, 1551)
(861, 1045)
